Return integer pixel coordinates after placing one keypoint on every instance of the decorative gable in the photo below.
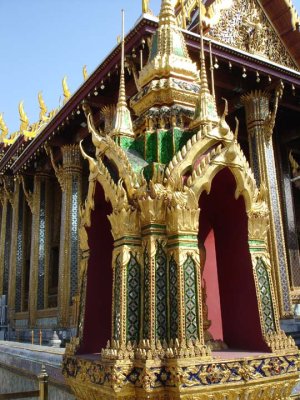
(244, 25)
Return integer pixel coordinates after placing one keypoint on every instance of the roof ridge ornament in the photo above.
(23, 117)
(43, 113)
(66, 91)
(122, 123)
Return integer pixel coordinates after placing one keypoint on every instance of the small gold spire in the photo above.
(122, 124)
(145, 6)
(206, 110)
(85, 73)
(43, 108)
(23, 117)
(66, 91)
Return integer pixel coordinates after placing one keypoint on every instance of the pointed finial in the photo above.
(43, 107)
(168, 59)
(206, 109)
(3, 128)
(203, 76)
(167, 14)
(122, 124)
(145, 6)
(85, 73)
(66, 91)
(23, 117)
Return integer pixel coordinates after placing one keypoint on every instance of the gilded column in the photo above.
(260, 124)
(39, 260)
(70, 179)
(127, 270)
(7, 202)
(185, 282)
(16, 253)
(155, 299)
(290, 221)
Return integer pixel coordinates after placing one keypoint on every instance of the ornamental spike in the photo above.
(122, 124)
(43, 107)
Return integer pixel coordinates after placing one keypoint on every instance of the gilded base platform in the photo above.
(227, 376)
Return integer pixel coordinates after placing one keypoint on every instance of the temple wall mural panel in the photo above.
(144, 225)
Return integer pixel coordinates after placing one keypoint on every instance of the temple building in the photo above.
(152, 223)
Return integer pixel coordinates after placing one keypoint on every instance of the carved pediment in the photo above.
(244, 25)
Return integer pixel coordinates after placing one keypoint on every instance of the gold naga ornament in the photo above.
(85, 73)
(28, 131)
(66, 91)
(3, 128)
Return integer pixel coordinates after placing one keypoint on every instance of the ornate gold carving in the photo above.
(43, 108)
(58, 169)
(295, 170)
(251, 31)
(258, 216)
(259, 119)
(85, 73)
(280, 342)
(108, 112)
(23, 118)
(210, 14)
(124, 222)
(3, 128)
(260, 123)
(28, 195)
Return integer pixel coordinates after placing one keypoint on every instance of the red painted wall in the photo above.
(210, 275)
(239, 309)
(97, 322)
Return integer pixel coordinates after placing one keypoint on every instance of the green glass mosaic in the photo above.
(265, 295)
(173, 293)
(165, 146)
(151, 146)
(125, 142)
(177, 44)
(146, 326)
(161, 291)
(154, 46)
(190, 299)
(133, 299)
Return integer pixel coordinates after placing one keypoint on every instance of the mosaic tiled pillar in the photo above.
(71, 184)
(184, 272)
(39, 260)
(290, 221)
(5, 235)
(16, 252)
(154, 280)
(127, 275)
(263, 164)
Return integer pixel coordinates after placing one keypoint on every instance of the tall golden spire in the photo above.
(122, 123)
(206, 110)
(168, 64)
(168, 53)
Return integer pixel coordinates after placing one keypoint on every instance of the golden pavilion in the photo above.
(153, 220)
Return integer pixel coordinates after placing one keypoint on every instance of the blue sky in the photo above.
(42, 41)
